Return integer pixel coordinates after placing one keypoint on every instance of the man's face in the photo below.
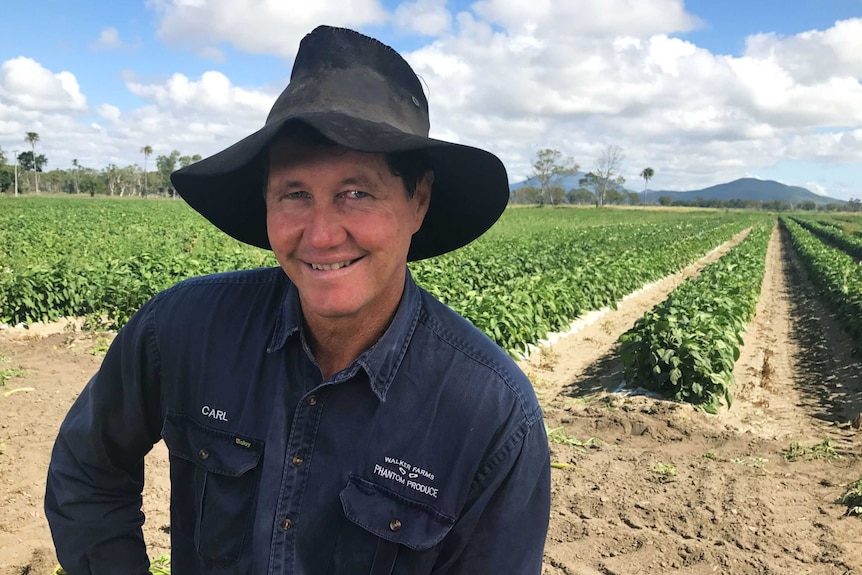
(340, 225)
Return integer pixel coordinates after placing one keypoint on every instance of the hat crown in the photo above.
(342, 71)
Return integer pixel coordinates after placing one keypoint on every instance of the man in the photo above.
(327, 416)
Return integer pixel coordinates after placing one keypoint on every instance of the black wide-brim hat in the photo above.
(362, 95)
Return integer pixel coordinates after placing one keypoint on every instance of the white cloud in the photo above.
(256, 26)
(109, 39)
(511, 76)
(211, 95)
(425, 17)
(518, 76)
(27, 84)
(109, 113)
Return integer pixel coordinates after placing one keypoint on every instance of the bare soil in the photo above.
(734, 504)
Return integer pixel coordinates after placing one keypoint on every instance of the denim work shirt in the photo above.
(427, 455)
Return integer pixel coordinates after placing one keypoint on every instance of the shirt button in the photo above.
(286, 524)
(203, 454)
(297, 460)
(394, 525)
(312, 400)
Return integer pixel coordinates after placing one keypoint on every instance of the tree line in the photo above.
(26, 174)
(601, 186)
(604, 186)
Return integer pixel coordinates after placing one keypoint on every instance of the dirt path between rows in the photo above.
(734, 506)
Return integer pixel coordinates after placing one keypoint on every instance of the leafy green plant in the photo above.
(664, 472)
(8, 373)
(852, 498)
(557, 435)
(823, 450)
(753, 461)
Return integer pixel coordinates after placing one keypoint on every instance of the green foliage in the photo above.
(664, 472)
(852, 498)
(533, 273)
(837, 276)
(823, 450)
(833, 234)
(685, 347)
(557, 435)
(64, 257)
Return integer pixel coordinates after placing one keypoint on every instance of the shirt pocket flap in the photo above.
(393, 517)
(215, 450)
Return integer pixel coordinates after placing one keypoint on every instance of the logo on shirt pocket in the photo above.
(404, 473)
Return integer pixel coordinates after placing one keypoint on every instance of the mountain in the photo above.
(741, 189)
(567, 183)
(748, 189)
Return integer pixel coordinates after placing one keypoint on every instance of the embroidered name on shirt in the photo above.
(214, 413)
(406, 474)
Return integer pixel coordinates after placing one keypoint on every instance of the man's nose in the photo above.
(325, 227)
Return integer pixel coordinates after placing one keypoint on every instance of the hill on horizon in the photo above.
(741, 189)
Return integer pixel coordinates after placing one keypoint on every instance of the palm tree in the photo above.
(32, 138)
(646, 174)
(147, 151)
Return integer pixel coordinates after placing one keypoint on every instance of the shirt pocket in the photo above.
(394, 526)
(226, 478)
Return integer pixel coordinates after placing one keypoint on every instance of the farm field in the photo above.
(663, 488)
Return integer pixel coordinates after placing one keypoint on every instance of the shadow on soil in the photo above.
(829, 378)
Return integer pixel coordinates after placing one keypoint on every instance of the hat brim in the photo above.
(469, 193)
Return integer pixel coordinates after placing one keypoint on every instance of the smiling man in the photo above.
(327, 416)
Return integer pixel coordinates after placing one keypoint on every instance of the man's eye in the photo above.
(298, 195)
(356, 194)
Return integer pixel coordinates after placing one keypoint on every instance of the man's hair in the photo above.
(409, 165)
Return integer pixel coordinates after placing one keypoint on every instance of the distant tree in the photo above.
(32, 138)
(665, 200)
(633, 197)
(549, 169)
(607, 171)
(614, 197)
(808, 205)
(2, 157)
(580, 196)
(147, 151)
(854, 205)
(189, 160)
(646, 174)
(527, 195)
(166, 165)
(27, 162)
(7, 178)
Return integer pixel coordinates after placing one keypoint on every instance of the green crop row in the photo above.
(519, 289)
(534, 272)
(833, 234)
(685, 347)
(837, 276)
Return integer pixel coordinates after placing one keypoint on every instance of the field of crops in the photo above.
(533, 273)
(629, 472)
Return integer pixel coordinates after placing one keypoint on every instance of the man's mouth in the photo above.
(331, 267)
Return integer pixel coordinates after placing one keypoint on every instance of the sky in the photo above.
(701, 91)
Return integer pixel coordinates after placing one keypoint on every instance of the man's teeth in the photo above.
(331, 267)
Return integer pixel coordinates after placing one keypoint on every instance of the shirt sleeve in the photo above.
(96, 475)
(503, 529)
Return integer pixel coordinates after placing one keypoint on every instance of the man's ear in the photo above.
(423, 194)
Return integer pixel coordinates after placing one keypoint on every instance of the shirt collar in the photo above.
(382, 360)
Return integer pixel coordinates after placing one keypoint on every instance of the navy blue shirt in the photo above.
(428, 454)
